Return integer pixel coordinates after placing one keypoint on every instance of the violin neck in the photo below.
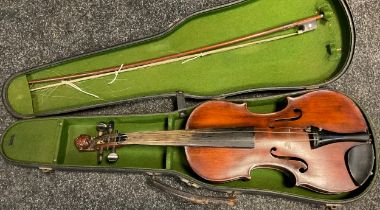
(232, 138)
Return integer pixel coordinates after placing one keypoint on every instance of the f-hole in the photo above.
(302, 169)
(298, 116)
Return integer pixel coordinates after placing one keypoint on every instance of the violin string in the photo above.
(215, 132)
(122, 143)
(181, 134)
(221, 130)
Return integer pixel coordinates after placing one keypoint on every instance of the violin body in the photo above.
(280, 141)
(320, 139)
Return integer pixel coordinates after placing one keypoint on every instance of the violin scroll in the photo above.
(84, 143)
(107, 139)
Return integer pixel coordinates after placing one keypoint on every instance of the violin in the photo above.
(320, 139)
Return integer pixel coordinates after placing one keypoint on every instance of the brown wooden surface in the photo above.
(325, 167)
(325, 109)
(230, 138)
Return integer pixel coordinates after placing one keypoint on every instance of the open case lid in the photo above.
(306, 60)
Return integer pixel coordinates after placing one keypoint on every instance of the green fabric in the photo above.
(50, 141)
(33, 141)
(19, 96)
(296, 61)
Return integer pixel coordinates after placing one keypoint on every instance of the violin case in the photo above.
(267, 72)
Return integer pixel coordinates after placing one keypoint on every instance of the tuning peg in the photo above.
(101, 128)
(100, 158)
(112, 157)
(121, 137)
(100, 155)
(111, 126)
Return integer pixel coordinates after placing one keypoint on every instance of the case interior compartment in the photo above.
(309, 59)
(51, 142)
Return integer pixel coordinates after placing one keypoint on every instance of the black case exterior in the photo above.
(191, 97)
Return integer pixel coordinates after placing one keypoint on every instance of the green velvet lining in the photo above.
(19, 96)
(35, 142)
(296, 61)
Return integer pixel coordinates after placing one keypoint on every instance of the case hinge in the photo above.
(152, 174)
(313, 87)
(45, 169)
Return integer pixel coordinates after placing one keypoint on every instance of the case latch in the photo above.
(45, 169)
(181, 104)
(333, 206)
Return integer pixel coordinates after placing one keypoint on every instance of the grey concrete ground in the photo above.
(37, 32)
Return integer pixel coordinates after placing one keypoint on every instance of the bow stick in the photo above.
(186, 55)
